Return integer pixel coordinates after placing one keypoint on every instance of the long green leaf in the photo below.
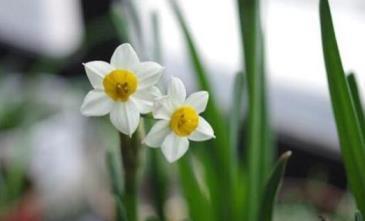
(272, 186)
(236, 111)
(348, 125)
(221, 147)
(357, 101)
(116, 181)
(197, 202)
(235, 126)
(157, 168)
(159, 182)
(259, 144)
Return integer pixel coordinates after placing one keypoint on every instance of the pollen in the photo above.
(120, 84)
(184, 121)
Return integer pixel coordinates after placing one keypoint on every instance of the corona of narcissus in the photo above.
(125, 88)
(178, 121)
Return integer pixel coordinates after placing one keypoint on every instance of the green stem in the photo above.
(130, 151)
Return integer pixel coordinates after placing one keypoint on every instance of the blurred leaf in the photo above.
(12, 185)
(240, 190)
(152, 218)
(236, 111)
(159, 182)
(210, 177)
(132, 13)
(157, 165)
(127, 22)
(223, 166)
(120, 23)
(357, 101)
(116, 180)
(12, 115)
(156, 32)
(348, 125)
(260, 148)
(358, 217)
(272, 187)
(197, 202)
(15, 181)
(212, 111)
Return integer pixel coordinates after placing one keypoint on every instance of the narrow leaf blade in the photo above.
(259, 144)
(348, 125)
(116, 181)
(272, 187)
(236, 111)
(354, 89)
(221, 146)
(197, 202)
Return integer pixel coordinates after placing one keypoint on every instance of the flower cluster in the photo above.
(125, 88)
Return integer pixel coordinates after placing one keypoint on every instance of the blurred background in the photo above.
(52, 159)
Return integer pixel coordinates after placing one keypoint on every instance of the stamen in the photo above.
(184, 121)
(120, 84)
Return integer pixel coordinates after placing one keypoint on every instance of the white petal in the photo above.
(176, 90)
(96, 103)
(124, 57)
(96, 71)
(151, 94)
(203, 132)
(174, 147)
(125, 117)
(143, 106)
(144, 99)
(149, 73)
(163, 108)
(198, 100)
(157, 134)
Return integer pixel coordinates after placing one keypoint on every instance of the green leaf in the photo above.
(156, 33)
(357, 101)
(197, 201)
(348, 125)
(159, 182)
(157, 166)
(259, 144)
(235, 116)
(358, 217)
(235, 125)
(223, 165)
(120, 23)
(272, 187)
(212, 112)
(114, 166)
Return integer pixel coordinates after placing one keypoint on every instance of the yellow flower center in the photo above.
(120, 84)
(184, 121)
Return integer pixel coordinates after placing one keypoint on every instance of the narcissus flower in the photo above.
(179, 121)
(124, 88)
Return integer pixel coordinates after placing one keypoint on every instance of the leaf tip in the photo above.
(286, 155)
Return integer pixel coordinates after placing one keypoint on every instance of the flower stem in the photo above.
(130, 152)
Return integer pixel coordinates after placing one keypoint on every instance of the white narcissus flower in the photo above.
(179, 121)
(124, 88)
